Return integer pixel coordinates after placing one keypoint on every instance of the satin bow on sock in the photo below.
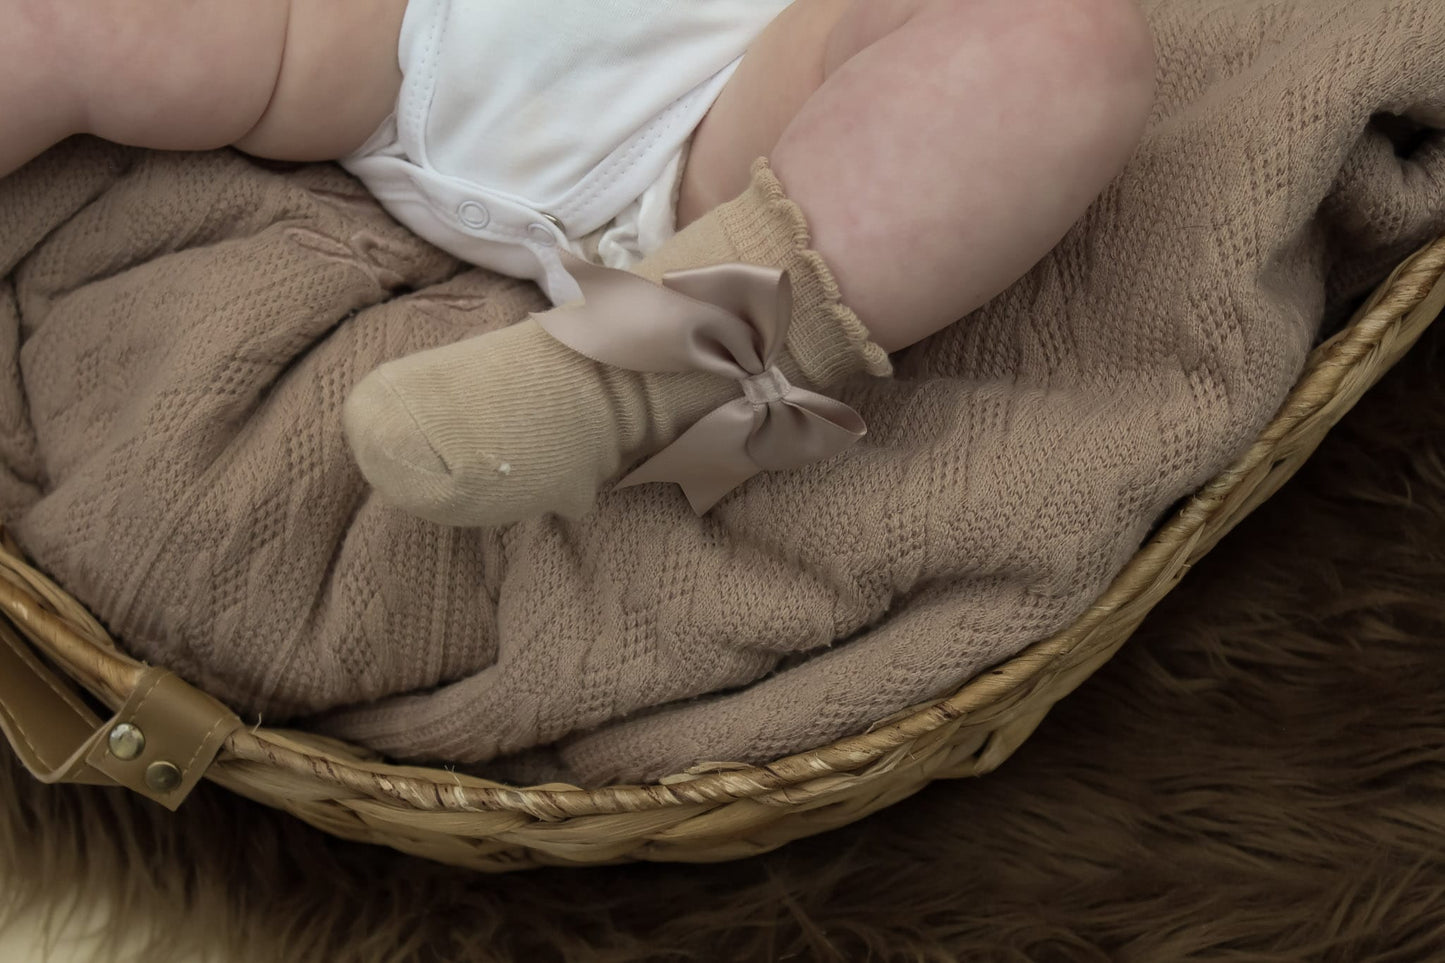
(730, 320)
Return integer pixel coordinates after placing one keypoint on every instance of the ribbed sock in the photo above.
(514, 424)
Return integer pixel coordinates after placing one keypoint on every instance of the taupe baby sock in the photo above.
(514, 424)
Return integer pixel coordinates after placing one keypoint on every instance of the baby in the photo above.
(920, 156)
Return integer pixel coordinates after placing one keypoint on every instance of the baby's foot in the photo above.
(515, 424)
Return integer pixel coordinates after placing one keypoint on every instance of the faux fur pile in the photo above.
(1259, 776)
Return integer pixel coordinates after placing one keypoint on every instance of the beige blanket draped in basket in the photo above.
(177, 334)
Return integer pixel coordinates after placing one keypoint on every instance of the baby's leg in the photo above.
(938, 148)
(292, 79)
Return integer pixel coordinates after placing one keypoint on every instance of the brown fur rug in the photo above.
(1259, 776)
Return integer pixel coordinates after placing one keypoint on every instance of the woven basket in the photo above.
(694, 817)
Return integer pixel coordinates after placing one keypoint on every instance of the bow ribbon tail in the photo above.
(801, 428)
(708, 460)
(736, 441)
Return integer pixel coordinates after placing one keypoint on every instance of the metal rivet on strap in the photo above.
(126, 742)
(162, 776)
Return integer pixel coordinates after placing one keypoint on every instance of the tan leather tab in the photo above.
(177, 729)
(45, 721)
(181, 729)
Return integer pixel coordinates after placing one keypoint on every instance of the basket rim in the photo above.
(76, 640)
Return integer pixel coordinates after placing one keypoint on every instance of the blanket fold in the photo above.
(178, 332)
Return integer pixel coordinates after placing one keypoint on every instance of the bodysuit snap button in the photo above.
(540, 233)
(473, 215)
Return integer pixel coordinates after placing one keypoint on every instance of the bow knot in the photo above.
(763, 389)
(729, 320)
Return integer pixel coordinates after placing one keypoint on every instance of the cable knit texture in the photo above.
(177, 334)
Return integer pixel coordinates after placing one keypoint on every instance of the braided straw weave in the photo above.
(727, 812)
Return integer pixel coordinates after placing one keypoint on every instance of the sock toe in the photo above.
(390, 446)
(483, 432)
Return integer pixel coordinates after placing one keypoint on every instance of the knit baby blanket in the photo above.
(178, 333)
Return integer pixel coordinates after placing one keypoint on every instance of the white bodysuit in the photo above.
(523, 126)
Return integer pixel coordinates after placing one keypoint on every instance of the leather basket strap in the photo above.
(158, 744)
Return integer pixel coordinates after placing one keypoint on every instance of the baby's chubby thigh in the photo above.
(291, 79)
(337, 82)
(784, 66)
(165, 74)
